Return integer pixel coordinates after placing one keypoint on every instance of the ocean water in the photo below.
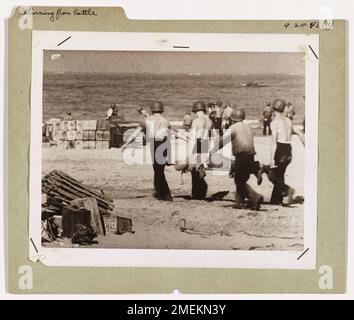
(88, 95)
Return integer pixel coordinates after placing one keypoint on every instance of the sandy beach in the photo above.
(210, 224)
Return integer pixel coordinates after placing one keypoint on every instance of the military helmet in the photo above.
(279, 105)
(238, 115)
(157, 107)
(199, 106)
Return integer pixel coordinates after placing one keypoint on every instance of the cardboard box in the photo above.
(93, 125)
(79, 125)
(102, 125)
(79, 144)
(85, 144)
(110, 225)
(102, 135)
(79, 135)
(84, 125)
(71, 125)
(71, 135)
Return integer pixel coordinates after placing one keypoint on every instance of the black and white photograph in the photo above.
(174, 149)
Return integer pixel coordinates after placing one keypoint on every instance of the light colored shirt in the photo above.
(187, 120)
(289, 111)
(202, 125)
(267, 113)
(241, 137)
(109, 113)
(156, 127)
(227, 113)
(218, 112)
(282, 129)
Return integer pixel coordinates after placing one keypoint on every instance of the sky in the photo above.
(172, 62)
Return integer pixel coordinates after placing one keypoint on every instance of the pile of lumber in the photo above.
(61, 189)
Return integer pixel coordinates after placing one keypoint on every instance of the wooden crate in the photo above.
(110, 225)
(71, 125)
(93, 125)
(63, 136)
(73, 216)
(79, 135)
(91, 205)
(79, 125)
(124, 225)
(89, 135)
(84, 125)
(85, 144)
(56, 135)
(79, 144)
(102, 125)
(62, 145)
(102, 135)
(64, 125)
(71, 135)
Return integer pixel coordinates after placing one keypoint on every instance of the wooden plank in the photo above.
(93, 191)
(90, 204)
(85, 191)
(73, 194)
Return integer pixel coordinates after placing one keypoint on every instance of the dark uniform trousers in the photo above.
(243, 168)
(162, 191)
(266, 126)
(282, 159)
(199, 185)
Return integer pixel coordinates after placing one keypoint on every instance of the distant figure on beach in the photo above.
(289, 111)
(68, 116)
(116, 115)
(226, 122)
(143, 112)
(267, 119)
(111, 111)
(218, 116)
(187, 121)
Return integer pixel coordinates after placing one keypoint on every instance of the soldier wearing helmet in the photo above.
(281, 152)
(157, 132)
(241, 137)
(200, 130)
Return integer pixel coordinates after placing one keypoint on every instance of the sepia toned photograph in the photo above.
(91, 99)
(179, 150)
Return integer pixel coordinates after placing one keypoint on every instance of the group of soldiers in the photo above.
(157, 130)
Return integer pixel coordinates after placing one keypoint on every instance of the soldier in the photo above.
(187, 121)
(241, 137)
(267, 119)
(218, 116)
(289, 111)
(281, 153)
(201, 129)
(157, 132)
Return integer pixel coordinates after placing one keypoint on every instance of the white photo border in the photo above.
(132, 41)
